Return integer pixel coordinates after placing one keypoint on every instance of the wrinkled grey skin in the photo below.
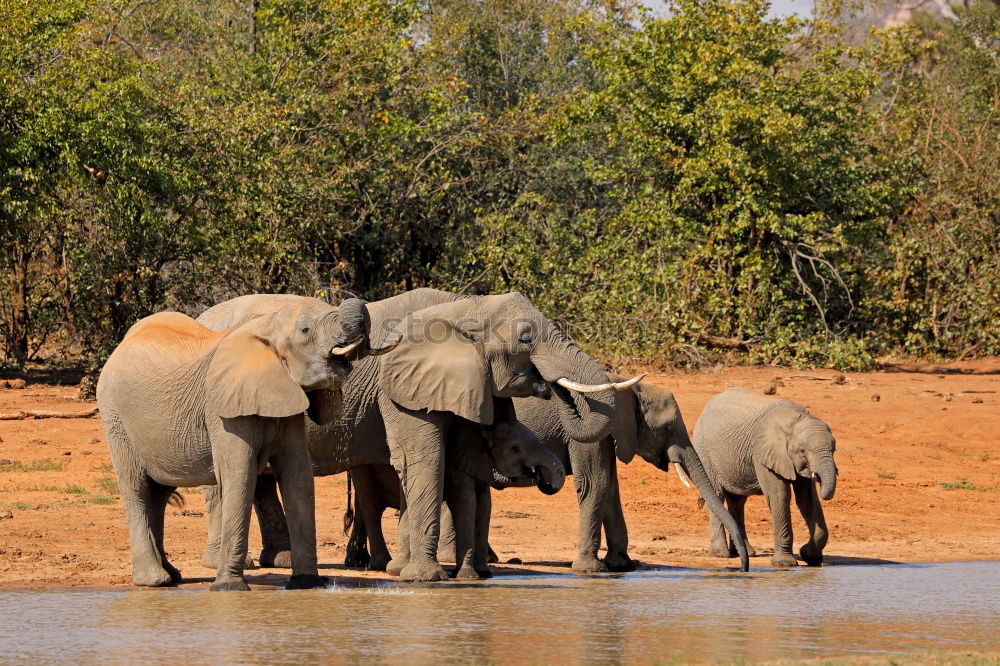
(398, 408)
(183, 406)
(502, 455)
(647, 421)
(753, 445)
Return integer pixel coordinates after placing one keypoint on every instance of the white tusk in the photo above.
(682, 476)
(384, 350)
(346, 349)
(594, 388)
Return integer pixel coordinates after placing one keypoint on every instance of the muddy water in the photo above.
(667, 613)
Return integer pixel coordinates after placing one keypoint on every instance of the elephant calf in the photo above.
(753, 445)
(502, 455)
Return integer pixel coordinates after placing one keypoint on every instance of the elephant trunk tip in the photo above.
(542, 483)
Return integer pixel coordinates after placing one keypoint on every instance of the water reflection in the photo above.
(669, 613)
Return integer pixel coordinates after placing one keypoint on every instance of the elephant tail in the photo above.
(349, 512)
(176, 499)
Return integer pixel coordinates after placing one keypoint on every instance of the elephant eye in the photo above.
(515, 449)
(305, 330)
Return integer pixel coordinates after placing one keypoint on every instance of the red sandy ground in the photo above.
(902, 437)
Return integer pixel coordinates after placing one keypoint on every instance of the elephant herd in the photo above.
(429, 400)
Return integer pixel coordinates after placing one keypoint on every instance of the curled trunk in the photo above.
(585, 417)
(696, 472)
(353, 319)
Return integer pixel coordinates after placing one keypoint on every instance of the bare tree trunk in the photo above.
(254, 6)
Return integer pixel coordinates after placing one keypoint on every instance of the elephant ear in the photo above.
(626, 427)
(246, 377)
(772, 438)
(438, 368)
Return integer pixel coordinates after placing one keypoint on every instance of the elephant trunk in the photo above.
(354, 322)
(827, 472)
(696, 472)
(546, 472)
(549, 473)
(586, 417)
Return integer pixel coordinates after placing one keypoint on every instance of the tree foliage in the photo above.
(714, 179)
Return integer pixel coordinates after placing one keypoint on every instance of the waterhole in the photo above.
(670, 613)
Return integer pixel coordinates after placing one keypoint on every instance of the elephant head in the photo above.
(793, 443)
(315, 341)
(649, 423)
(516, 455)
(458, 356)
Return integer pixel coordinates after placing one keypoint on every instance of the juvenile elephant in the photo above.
(185, 406)
(646, 421)
(753, 445)
(456, 356)
(477, 457)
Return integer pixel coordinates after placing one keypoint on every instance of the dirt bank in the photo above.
(918, 454)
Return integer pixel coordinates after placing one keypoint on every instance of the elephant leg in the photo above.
(402, 558)
(371, 505)
(776, 490)
(357, 555)
(809, 505)
(718, 544)
(615, 529)
(446, 540)
(461, 498)
(276, 542)
(481, 551)
(160, 495)
(417, 440)
(136, 490)
(213, 506)
(293, 467)
(235, 461)
(592, 479)
(736, 505)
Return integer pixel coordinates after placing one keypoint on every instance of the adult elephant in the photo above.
(455, 356)
(503, 455)
(647, 422)
(184, 406)
(754, 445)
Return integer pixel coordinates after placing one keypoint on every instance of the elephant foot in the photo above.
(395, 566)
(492, 558)
(619, 561)
(230, 585)
(305, 582)
(588, 564)
(276, 559)
(783, 560)
(154, 575)
(379, 562)
(484, 572)
(465, 573)
(721, 550)
(357, 558)
(811, 555)
(422, 572)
